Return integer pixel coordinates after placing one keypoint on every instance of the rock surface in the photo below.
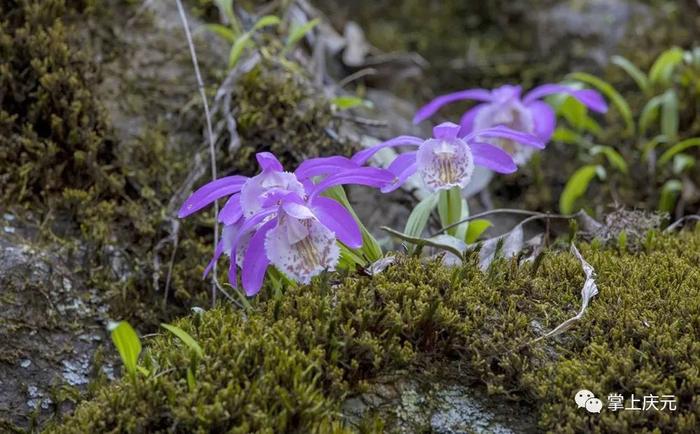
(51, 327)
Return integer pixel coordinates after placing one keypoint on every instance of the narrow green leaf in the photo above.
(678, 148)
(614, 96)
(669, 194)
(222, 31)
(227, 7)
(128, 344)
(476, 229)
(662, 69)
(185, 338)
(574, 112)
(299, 32)
(669, 115)
(237, 49)
(682, 162)
(371, 250)
(419, 216)
(450, 208)
(614, 158)
(265, 21)
(566, 135)
(576, 187)
(649, 114)
(650, 146)
(191, 382)
(631, 69)
(348, 102)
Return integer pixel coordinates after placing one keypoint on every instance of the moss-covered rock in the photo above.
(51, 125)
(287, 366)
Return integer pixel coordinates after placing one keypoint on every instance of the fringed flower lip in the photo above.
(279, 217)
(505, 106)
(447, 159)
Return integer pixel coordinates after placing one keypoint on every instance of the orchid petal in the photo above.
(361, 157)
(507, 133)
(250, 224)
(445, 164)
(210, 192)
(436, 104)
(232, 211)
(268, 161)
(545, 119)
(217, 254)
(402, 167)
(369, 176)
(446, 131)
(301, 259)
(589, 97)
(256, 262)
(323, 166)
(339, 220)
(467, 121)
(255, 191)
(492, 157)
(297, 210)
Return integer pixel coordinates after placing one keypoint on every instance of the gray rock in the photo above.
(413, 402)
(45, 309)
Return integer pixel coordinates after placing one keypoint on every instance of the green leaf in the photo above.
(476, 229)
(669, 115)
(450, 208)
(444, 242)
(222, 31)
(371, 250)
(566, 135)
(650, 146)
(227, 7)
(678, 148)
(614, 158)
(128, 344)
(576, 187)
(265, 21)
(298, 32)
(237, 49)
(669, 194)
(682, 162)
(613, 95)
(185, 338)
(419, 216)
(348, 102)
(662, 69)
(631, 69)
(574, 112)
(349, 259)
(191, 382)
(650, 113)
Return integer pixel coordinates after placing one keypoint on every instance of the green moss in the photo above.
(288, 365)
(51, 125)
(279, 110)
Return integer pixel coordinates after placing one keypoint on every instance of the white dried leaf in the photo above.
(379, 265)
(589, 290)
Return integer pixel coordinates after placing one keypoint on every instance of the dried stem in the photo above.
(210, 134)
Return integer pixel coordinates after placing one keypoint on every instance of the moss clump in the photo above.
(288, 365)
(279, 110)
(51, 125)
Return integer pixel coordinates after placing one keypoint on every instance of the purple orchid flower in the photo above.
(279, 218)
(447, 159)
(504, 106)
